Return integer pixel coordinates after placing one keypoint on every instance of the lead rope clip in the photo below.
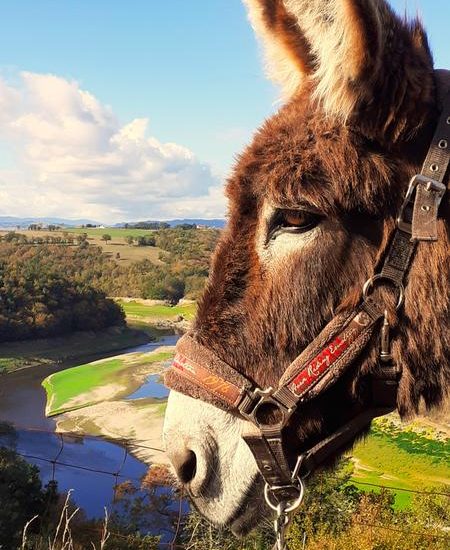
(285, 508)
(385, 348)
(280, 526)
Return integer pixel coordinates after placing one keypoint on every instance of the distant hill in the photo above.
(7, 222)
(216, 222)
(11, 222)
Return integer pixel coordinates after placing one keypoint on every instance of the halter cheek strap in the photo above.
(197, 371)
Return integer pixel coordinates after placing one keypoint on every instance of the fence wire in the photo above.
(128, 446)
(54, 460)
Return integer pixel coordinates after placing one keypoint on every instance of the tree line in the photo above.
(43, 293)
(65, 239)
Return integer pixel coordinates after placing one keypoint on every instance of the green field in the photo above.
(136, 309)
(64, 387)
(116, 233)
(411, 457)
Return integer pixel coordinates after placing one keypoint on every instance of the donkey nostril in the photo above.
(185, 464)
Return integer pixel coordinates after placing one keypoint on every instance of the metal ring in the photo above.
(368, 285)
(290, 505)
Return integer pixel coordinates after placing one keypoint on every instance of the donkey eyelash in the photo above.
(291, 221)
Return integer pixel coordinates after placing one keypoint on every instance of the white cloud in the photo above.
(74, 159)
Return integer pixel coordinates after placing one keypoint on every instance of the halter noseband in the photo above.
(328, 356)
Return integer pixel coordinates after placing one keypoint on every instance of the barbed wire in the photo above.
(413, 532)
(130, 445)
(69, 434)
(116, 474)
(392, 488)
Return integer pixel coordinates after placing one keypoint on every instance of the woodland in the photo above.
(56, 285)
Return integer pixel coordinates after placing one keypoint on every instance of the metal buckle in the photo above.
(257, 399)
(430, 183)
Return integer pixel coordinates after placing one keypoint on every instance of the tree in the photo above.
(106, 237)
(82, 238)
(146, 241)
(21, 495)
(168, 287)
(129, 239)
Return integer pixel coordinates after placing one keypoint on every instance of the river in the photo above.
(22, 404)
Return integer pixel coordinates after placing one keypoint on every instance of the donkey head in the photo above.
(312, 202)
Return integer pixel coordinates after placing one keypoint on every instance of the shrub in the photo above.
(21, 495)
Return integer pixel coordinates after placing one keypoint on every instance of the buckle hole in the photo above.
(443, 144)
(434, 167)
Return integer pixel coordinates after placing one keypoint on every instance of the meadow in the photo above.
(413, 457)
(139, 310)
(115, 232)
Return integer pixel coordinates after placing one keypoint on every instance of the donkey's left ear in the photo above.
(351, 51)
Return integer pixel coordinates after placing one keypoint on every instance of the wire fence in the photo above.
(124, 471)
(130, 446)
(120, 473)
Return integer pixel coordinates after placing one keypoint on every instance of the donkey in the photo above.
(312, 207)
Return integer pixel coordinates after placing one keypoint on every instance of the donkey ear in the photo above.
(347, 48)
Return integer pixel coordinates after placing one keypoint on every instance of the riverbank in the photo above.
(31, 353)
(121, 399)
(147, 320)
(103, 380)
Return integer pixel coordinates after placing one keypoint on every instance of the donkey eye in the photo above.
(292, 221)
(297, 218)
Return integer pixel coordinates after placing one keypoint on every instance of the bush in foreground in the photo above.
(22, 497)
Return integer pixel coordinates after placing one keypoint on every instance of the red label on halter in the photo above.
(206, 379)
(317, 366)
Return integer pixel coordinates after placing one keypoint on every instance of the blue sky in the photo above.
(192, 68)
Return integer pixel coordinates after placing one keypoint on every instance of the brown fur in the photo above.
(259, 319)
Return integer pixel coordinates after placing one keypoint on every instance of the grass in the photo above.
(65, 386)
(135, 309)
(405, 457)
(29, 353)
(115, 232)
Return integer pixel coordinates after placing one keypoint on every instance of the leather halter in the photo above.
(330, 354)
